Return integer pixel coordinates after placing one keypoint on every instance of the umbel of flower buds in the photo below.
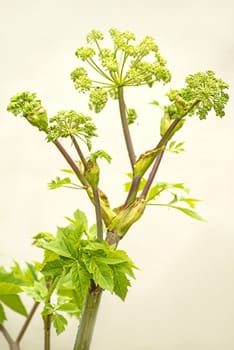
(27, 105)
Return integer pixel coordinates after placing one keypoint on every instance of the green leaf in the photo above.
(70, 308)
(102, 274)
(81, 280)
(80, 221)
(71, 234)
(2, 314)
(62, 247)
(68, 291)
(100, 154)
(126, 268)
(121, 283)
(59, 322)
(95, 246)
(190, 201)
(9, 277)
(131, 116)
(115, 257)
(33, 271)
(175, 147)
(48, 309)
(164, 186)
(41, 237)
(14, 303)
(53, 268)
(92, 233)
(38, 291)
(188, 212)
(155, 103)
(68, 171)
(9, 288)
(58, 182)
(153, 193)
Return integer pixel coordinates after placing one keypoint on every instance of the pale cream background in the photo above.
(183, 298)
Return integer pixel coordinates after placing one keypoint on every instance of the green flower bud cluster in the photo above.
(84, 53)
(94, 36)
(131, 115)
(27, 105)
(81, 81)
(108, 60)
(202, 93)
(71, 123)
(121, 41)
(98, 99)
(122, 65)
(143, 73)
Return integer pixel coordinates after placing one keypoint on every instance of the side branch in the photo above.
(27, 321)
(165, 138)
(98, 212)
(127, 136)
(80, 153)
(152, 174)
(160, 148)
(71, 163)
(12, 344)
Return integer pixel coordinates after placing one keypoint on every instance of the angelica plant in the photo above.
(81, 261)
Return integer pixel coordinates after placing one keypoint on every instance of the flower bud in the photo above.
(165, 123)
(127, 216)
(144, 162)
(180, 105)
(38, 118)
(92, 173)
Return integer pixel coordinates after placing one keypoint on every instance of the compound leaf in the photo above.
(14, 303)
(2, 314)
(59, 322)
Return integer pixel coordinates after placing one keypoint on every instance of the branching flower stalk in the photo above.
(12, 344)
(71, 162)
(27, 322)
(80, 260)
(126, 132)
(15, 344)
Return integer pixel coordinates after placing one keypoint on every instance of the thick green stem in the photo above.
(88, 319)
(47, 328)
(127, 136)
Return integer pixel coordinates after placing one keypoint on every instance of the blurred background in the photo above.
(183, 297)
